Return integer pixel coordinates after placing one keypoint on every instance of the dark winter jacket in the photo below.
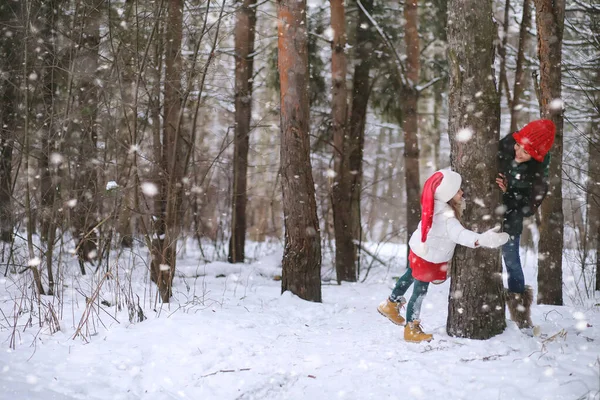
(527, 185)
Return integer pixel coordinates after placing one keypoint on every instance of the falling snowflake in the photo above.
(111, 185)
(149, 189)
(328, 33)
(464, 135)
(56, 158)
(557, 105)
(34, 262)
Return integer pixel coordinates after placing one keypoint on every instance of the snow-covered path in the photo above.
(247, 341)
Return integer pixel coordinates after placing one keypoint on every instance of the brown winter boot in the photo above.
(391, 311)
(413, 332)
(519, 307)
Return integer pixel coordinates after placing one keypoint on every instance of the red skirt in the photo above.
(426, 271)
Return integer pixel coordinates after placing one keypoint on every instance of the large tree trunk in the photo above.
(244, 56)
(302, 252)
(550, 16)
(476, 305)
(164, 242)
(410, 123)
(345, 249)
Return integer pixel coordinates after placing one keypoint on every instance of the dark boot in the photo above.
(519, 307)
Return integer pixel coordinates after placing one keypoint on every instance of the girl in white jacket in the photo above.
(432, 247)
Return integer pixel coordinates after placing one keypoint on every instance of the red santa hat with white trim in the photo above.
(441, 186)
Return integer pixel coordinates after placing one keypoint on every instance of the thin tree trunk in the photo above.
(10, 60)
(50, 179)
(410, 123)
(26, 151)
(84, 214)
(375, 203)
(550, 21)
(164, 249)
(244, 57)
(476, 305)
(46, 102)
(593, 188)
(503, 83)
(345, 249)
(302, 252)
(519, 87)
(593, 185)
(358, 112)
(441, 12)
(597, 286)
(127, 71)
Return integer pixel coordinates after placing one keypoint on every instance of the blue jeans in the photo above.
(512, 260)
(413, 310)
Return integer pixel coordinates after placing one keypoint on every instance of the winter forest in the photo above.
(209, 199)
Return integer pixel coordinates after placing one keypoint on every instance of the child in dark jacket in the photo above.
(523, 161)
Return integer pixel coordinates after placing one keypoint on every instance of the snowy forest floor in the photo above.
(229, 333)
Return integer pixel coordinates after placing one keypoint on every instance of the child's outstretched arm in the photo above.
(461, 235)
(465, 237)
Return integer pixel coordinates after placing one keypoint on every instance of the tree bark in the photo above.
(410, 125)
(127, 70)
(302, 251)
(244, 56)
(358, 114)
(550, 21)
(503, 79)
(476, 305)
(345, 249)
(593, 186)
(48, 104)
(84, 215)
(164, 242)
(10, 61)
(519, 86)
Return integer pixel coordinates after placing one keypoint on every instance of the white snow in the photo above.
(149, 189)
(464, 135)
(111, 185)
(229, 333)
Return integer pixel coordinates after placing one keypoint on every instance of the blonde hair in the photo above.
(457, 207)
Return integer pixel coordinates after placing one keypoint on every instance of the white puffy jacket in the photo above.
(445, 233)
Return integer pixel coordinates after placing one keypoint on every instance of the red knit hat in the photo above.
(536, 138)
(442, 186)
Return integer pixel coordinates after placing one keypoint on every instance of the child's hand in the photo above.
(502, 182)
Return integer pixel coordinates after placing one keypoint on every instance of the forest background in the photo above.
(147, 124)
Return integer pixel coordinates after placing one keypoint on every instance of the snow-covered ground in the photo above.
(230, 334)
